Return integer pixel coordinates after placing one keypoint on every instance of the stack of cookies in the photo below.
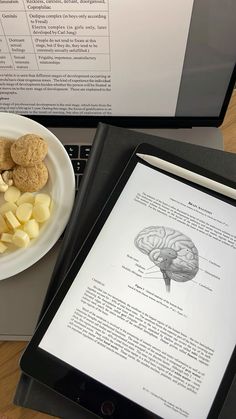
(25, 158)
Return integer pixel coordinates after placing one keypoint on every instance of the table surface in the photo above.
(10, 351)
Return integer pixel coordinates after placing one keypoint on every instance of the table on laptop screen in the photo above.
(116, 58)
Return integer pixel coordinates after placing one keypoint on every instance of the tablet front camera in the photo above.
(107, 408)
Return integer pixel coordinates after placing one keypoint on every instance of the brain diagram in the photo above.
(172, 251)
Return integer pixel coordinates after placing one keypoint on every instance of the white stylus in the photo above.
(188, 175)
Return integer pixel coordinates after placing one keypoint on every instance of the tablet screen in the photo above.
(151, 312)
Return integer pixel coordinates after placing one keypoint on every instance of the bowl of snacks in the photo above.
(37, 190)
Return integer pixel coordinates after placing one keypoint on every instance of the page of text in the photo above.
(92, 57)
(151, 312)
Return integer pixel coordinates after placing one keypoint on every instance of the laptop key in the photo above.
(79, 166)
(72, 150)
(85, 151)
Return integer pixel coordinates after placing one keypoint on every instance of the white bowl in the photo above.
(60, 186)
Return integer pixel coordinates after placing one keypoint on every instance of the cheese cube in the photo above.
(12, 194)
(25, 197)
(24, 212)
(31, 227)
(6, 237)
(41, 212)
(8, 206)
(3, 225)
(12, 220)
(20, 238)
(42, 198)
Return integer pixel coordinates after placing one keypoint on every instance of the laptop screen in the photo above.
(80, 61)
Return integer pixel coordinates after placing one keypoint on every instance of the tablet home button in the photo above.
(107, 408)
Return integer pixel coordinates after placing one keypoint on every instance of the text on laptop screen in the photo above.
(116, 58)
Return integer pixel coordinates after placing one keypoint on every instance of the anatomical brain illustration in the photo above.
(172, 251)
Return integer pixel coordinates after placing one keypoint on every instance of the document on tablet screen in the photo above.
(151, 313)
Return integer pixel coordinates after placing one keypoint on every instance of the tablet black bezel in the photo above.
(67, 380)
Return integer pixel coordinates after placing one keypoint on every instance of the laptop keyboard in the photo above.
(79, 155)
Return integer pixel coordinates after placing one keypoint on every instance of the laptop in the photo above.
(166, 68)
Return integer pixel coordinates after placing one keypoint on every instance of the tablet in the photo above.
(143, 325)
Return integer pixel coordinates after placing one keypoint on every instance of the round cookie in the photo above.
(31, 178)
(6, 161)
(28, 150)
